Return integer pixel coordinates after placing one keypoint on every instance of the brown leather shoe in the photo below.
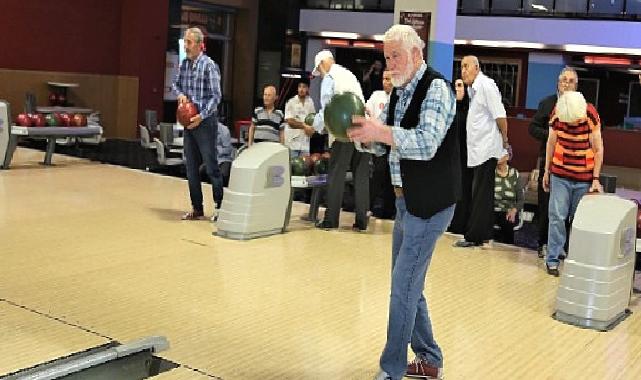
(193, 215)
(420, 369)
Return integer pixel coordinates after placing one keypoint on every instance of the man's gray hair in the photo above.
(568, 69)
(406, 35)
(474, 60)
(197, 33)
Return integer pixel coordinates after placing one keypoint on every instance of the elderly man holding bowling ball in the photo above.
(426, 172)
(341, 97)
(198, 88)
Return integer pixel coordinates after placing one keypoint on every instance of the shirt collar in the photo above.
(195, 61)
(477, 80)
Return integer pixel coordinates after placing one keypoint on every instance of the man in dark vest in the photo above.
(425, 169)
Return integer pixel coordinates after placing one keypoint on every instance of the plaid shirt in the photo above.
(437, 113)
(199, 81)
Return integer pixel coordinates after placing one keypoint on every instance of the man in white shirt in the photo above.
(486, 142)
(297, 133)
(337, 80)
(382, 197)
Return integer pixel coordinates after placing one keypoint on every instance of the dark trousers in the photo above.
(505, 231)
(463, 206)
(200, 147)
(380, 188)
(481, 221)
(543, 201)
(345, 155)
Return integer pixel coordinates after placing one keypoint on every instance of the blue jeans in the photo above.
(413, 243)
(200, 146)
(565, 195)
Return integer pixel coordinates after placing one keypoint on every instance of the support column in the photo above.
(442, 27)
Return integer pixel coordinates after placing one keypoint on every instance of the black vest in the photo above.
(429, 186)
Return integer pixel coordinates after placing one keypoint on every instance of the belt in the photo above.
(398, 191)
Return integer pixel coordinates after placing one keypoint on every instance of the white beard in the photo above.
(571, 107)
(402, 78)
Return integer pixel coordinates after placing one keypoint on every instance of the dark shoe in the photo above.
(542, 251)
(214, 217)
(382, 375)
(420, 369)
(357, 228)
(326, 225)
(553, 271)
(193, 215)
(465, 244)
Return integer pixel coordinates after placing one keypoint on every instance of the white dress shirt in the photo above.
(484, 139)
(296, 139)
(376, 104)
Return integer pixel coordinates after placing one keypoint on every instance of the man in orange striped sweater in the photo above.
(574, 155)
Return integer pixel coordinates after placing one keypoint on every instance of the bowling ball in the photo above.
(185, 112)
(78, 120)
(53, 119)
(65, 119)
(38, 120)
(309, 119)
(298, 166)
(339, 111)
(62, 100)
(23, 120)
(53, 99)
(321, 166)
(309, 164)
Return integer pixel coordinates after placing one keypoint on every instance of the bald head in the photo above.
(470, 69)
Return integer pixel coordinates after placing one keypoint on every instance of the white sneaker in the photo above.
(382, 375)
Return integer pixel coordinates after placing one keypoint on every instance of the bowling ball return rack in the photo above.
(113, 360)
(318, 184)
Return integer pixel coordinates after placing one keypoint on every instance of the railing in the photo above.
(591, 9)
(351, 5)
(599, 9)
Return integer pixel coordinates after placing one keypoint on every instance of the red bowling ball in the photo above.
(53, 99)
(38, 120)
(185, 112)
(65, 119)
(23, 120)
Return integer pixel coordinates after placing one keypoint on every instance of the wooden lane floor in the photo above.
(103, 247)
(29, 338)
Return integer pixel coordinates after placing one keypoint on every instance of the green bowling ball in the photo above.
(52, 120)
(309, 119)
(298, 166)
(321, 166)
(339, 111)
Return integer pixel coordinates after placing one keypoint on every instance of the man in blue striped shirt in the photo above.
(199, 82)
(425, 169)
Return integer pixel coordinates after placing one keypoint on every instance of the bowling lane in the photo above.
(29, 338)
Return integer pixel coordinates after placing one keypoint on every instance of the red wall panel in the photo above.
(143, 41)
(70, 35)
(621, 148)
(127, 37)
